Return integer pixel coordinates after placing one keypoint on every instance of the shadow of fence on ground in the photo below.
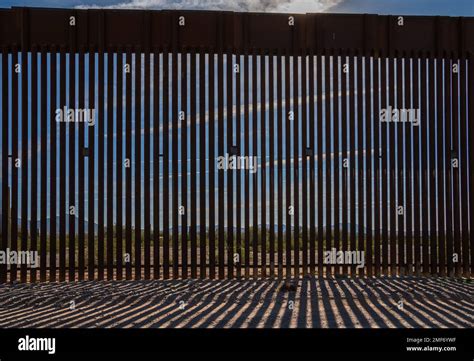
(315, 302)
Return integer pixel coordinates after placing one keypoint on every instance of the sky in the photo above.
(395, 7)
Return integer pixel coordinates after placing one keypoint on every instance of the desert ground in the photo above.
(309, 302)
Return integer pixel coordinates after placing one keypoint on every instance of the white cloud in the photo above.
(283, 6)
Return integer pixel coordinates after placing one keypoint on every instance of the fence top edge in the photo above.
(237, 32)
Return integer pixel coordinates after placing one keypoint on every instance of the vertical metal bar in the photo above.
(220, 122)
(128, 170)
(192, 151)
(45, 70)
(377, 90)
(202, 164)
(25, 73)
(72, 157)
(230, 172)
(166, 197)
(5, 161)
(360, 158)
(424, 164)
(72, 169)
(110, 169)
(455, 170)
(401, 219)
(336, 148)
(296, 184)
(15, 78)
(34, 158)
(311, 153)
(119, 166)
(352, 156)
(238, 209)
(288, 203)
(146, 168)
(463, 155)
(62, 169)
(384, 172)
(255, 192)
(211, 167)
(331, 172)
(416, 167)
(263, 145)
(393, 209)
(408, 68)
(319, 92)
(100, 166)
(432, 178)
(441, 170)
(446, 162)
(470, 82)
(304, 160)
(91, 172)
(328, 94)
(53, 174)
(280, 117)
(156, 163)
(344, 154)
(395, 147)
(184, 163)
(148, 86)
(105, 122)
(138, 160)
(246, 172)
(81, 158)
(316, 183)
(174, 154)
(368, 163)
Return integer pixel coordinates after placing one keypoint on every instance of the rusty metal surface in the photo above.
(236, 32)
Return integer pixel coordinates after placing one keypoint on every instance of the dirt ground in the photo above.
(387, 302)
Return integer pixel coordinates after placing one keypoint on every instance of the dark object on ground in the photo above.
(288, 287)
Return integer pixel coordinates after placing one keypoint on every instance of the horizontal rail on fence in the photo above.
(257, 33)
